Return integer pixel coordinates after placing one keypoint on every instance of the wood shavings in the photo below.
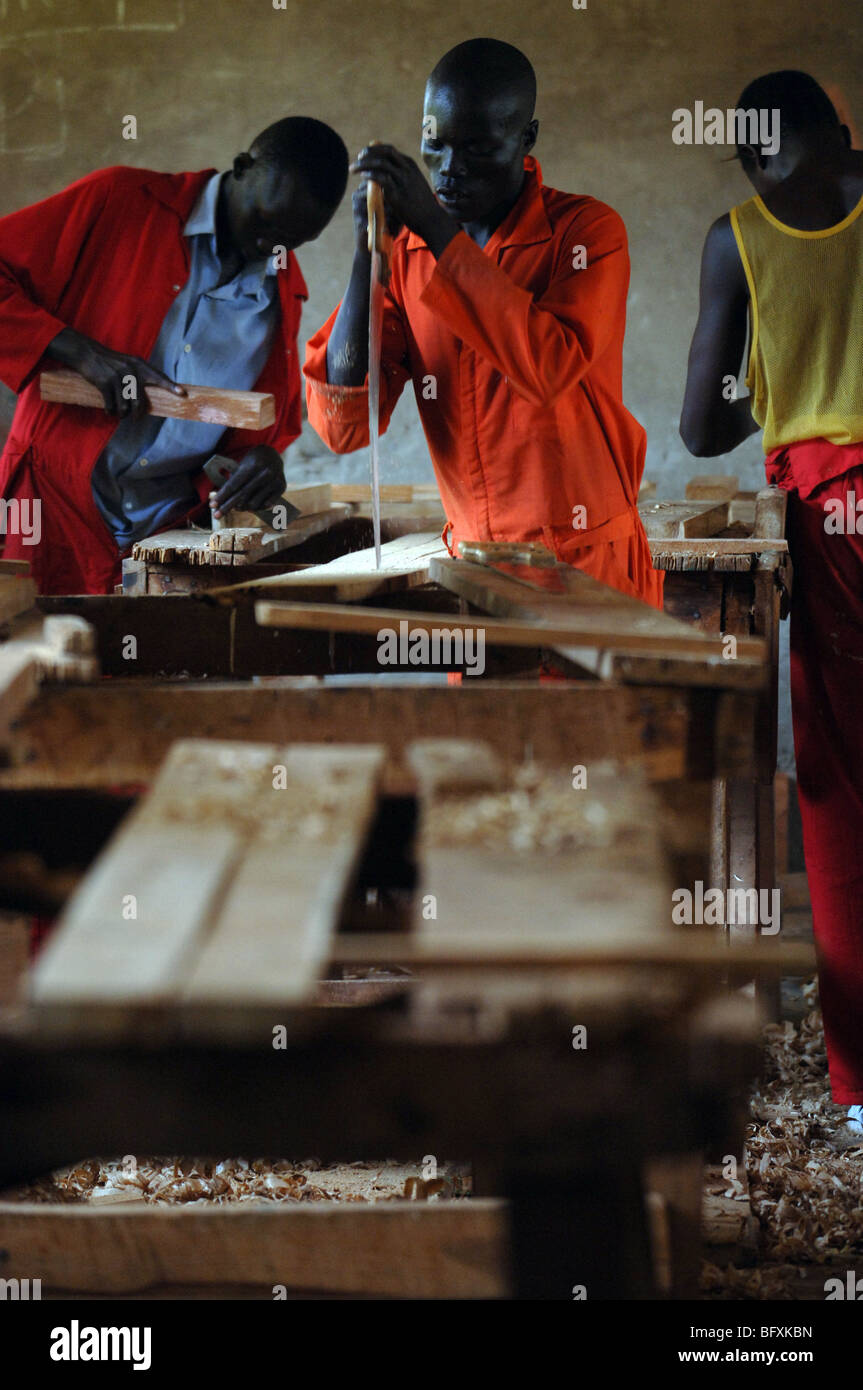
(805, 1171)
(540, 812)
(186, 1180)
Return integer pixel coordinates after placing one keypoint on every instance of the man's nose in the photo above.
(451, 165)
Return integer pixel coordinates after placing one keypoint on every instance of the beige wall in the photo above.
(202, 76)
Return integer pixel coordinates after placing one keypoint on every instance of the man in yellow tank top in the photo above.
(787, 266)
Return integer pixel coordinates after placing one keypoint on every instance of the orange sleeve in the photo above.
(340, 414)
(542, 344)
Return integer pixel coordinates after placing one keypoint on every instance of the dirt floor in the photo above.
(804, 1172)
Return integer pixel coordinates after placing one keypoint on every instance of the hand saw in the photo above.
(380, 244)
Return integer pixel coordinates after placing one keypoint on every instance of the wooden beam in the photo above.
(120, 732)
(440, 1249)
(245, 410)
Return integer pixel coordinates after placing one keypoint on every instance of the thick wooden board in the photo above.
(306, 497)
(598, 628)
(390, 492)
(404, 564)
(215, 851)
(440, 1249)
(58, 648)
(713, 487)
(675, 520)
(235, 545)
(245, 410)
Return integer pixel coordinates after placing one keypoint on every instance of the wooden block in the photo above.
(441, 1249)
(19, 681)
(676, 520)
(718, 487)
(307, 498)
(245, 410)
(17, 595)
(770, 505)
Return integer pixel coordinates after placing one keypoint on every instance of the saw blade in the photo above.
(376, 315)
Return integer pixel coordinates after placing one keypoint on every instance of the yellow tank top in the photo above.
(805, 372)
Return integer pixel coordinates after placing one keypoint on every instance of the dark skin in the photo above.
(810, 184)
(476, 164)
(258, 208)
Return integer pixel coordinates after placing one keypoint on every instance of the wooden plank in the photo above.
(235, 546)
(271, 938)
(20, 674)
(390, 492)
(17, 595)
(440, 1249)
(693, 950)
(534, 851)
(404, 564)
(681, 519)
(718, 487)
(245, 410)
(530, 632)
(250, 846)
(121, 732)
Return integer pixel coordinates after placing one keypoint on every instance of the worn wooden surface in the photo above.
(443, 1249)
(404, 563)
(120, 732)
(245, 410)
(223, 885)
(235, 545)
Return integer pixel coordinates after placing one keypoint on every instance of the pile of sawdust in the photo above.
(217, 1181)
(805, 1169)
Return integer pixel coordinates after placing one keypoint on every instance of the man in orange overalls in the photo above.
(506, 308)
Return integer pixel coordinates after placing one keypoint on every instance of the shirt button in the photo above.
(188, 347)
(175, 288)
(144, 463)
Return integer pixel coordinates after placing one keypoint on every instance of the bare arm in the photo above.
(710, 422)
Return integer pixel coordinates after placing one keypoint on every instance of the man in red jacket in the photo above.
(134, 278)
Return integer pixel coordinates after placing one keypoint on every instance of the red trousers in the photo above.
(827, 704)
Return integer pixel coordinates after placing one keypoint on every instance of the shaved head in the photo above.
(489, 71)
(478, 125)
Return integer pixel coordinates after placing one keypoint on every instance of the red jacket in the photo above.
(106, 257)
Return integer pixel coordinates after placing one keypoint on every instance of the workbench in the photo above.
(649, 697)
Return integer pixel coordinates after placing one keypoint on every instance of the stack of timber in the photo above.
(718, 527)
(34, 649)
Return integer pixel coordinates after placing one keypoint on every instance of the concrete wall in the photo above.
(203, 76)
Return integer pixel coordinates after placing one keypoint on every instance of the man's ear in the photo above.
(242, 162)
(531, 131)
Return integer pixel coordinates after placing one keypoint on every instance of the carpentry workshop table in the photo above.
(650, 699)
(562, 1059)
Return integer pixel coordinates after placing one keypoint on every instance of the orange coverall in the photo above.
(514, 350)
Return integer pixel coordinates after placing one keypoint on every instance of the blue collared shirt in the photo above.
(212, 335)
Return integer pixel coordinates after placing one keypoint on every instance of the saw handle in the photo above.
(379, 238)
